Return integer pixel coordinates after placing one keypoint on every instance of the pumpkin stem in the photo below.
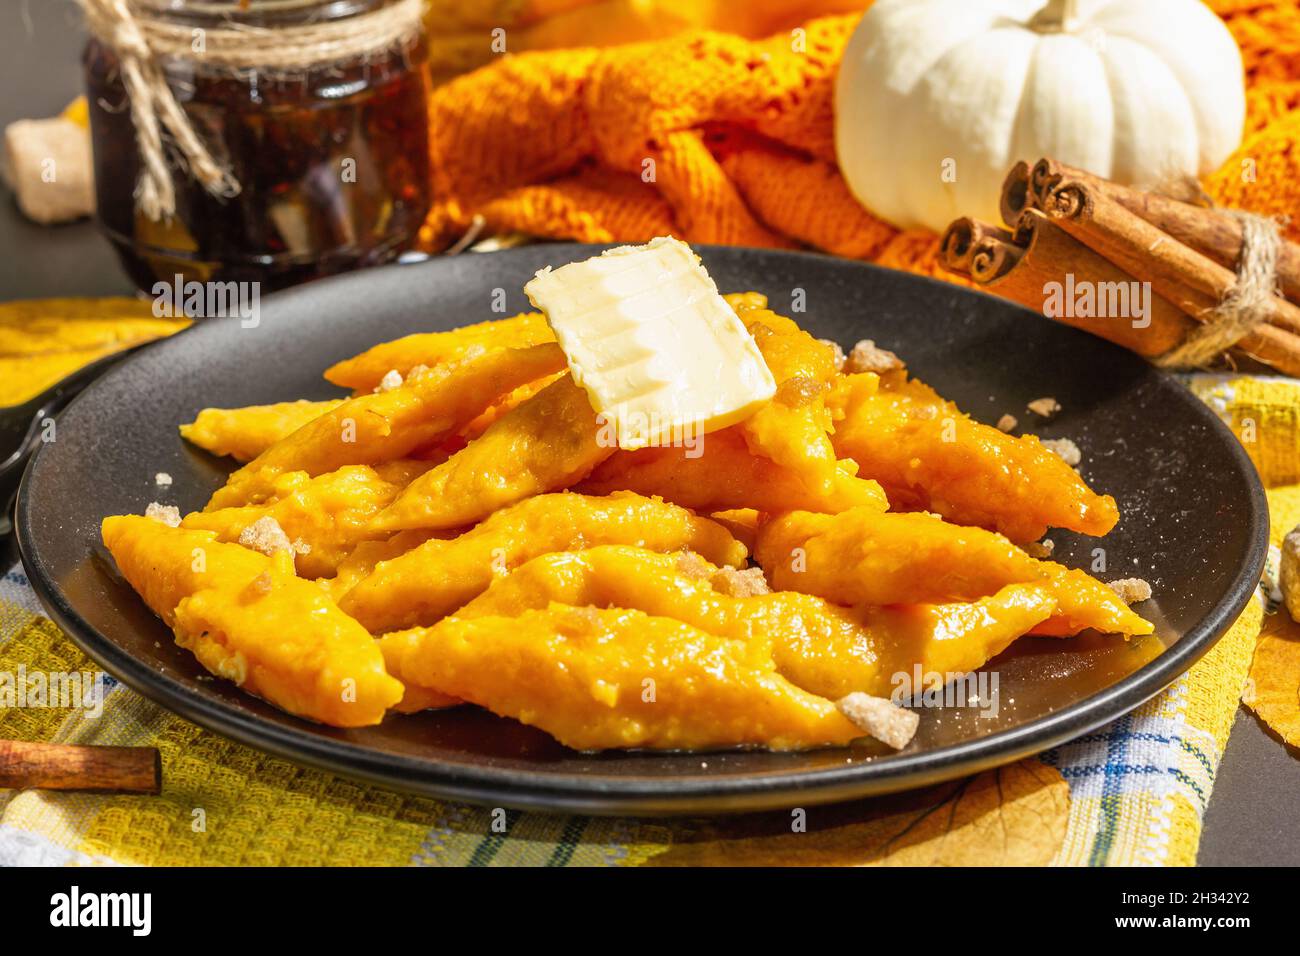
(1056, 16)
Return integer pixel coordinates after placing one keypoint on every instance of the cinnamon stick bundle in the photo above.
(1041, 266)
(1212, 232)
(1149, 272)
(1193, 282)
(67, 767)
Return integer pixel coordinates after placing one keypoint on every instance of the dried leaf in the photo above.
(1273, 689)
(1014, 816)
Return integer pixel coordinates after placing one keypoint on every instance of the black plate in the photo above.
(1195, 525)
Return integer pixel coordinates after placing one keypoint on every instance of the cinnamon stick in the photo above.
(966, 237)
(1017, 194)
(1041, 267)
(1177, 272)
(67, 767)
(1211, 232)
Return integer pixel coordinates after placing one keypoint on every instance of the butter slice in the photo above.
(659, 352)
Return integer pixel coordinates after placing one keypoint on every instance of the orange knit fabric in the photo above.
(715, 138)
(460, 33)
(1262, 175)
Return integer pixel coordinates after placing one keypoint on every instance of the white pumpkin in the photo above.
(937, 99)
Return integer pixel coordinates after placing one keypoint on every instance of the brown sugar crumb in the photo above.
(392, 379)
(579, 621)
(748, 300)
(1064, 449)
(1007, 423)
(1044, 407)
(169, 515)
(262, 583)
(162, 479)
(740, 584)
(839, 352)
(799, 391)
(1131, 590)
(866, 357)
(1288, 577)
(233, 668)
(880, 718)
(1042, 550)
(265, 535)
(692, 565)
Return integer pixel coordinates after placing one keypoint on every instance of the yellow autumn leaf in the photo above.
(1014, 816)
(1273, 691)
(45, 340)
(1273, 687)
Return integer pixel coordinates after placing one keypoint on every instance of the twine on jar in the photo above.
(142, 43)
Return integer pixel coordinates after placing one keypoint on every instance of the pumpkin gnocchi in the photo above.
(461, 531)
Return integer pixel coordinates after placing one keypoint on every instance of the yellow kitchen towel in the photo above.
(42, 341)
(1137, 789)
(1264, 413)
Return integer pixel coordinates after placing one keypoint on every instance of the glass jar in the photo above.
(332, 161)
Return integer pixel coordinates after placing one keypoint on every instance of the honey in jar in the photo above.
(331, 158)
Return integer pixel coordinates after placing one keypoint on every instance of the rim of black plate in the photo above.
(671, 795)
